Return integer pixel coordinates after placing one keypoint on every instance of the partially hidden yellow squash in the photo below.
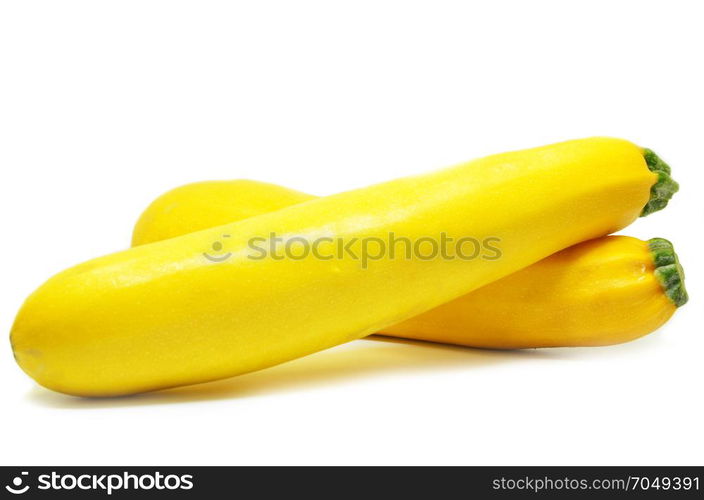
(171, 313)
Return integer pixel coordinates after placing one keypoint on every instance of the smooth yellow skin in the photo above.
(161, 315)
(596, 293)
(599, 292)
(203, 205)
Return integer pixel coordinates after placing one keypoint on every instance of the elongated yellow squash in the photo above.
(600, 292)
(171, 313)
(203, 205)
(604, 291)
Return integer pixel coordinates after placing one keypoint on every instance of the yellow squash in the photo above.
(203, 205)
(210, 304)
(600, 292)
(604, 291)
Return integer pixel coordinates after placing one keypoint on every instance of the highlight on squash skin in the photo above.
(161, 315)
(606, 291)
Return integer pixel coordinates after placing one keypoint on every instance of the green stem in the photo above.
(668, 270)
(664, 187)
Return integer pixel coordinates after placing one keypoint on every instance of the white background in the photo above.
(104, 105)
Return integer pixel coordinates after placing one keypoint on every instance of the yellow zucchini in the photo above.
(601, 292)
(203, 205)
(162, 315)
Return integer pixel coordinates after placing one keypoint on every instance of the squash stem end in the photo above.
(664, 188)
(668, 270)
